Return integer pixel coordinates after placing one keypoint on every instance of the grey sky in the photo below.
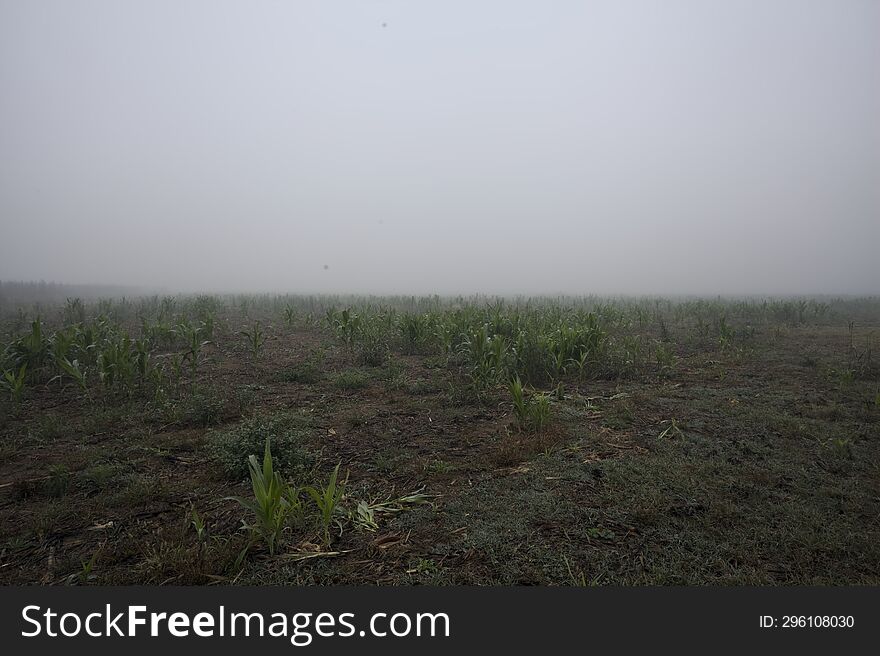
(512, 147)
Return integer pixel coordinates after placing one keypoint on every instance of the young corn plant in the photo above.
(539, 412)
(256, 339)
(445, 336)
(580, 363)
(346, 324)
(75, 372)
(198, 524)
(61, 344)
(13, 382)
(74, 311)
(665, 359)
(289, 315)
(195, 344)
(176, 373)
(142, 359)
(206, 325)
(486, 355)
(532, 413)
(31, 350)
(372, 345)
(414, 328)
(520, 404)
(116, 364)
(328, 501)
(725, 333)
(273, 504)
(201, 530)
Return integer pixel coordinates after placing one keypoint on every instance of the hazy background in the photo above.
(501, 147)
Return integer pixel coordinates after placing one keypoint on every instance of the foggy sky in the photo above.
(442, 147)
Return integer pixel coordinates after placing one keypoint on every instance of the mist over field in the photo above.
(684, 147)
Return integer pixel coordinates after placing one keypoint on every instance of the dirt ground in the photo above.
(752, 465)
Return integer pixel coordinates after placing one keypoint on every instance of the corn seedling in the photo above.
(580, 363)
(273, 503)
(176, 371)
(74, 312)
(539, 411)
(327, 499)
(725, 333)
(415, 330)
(206, 325)
(532, 413)
(87, 568)
(198, 524)
(345, 323)
(30, 350)
(256, 339)
(75, 372)
(195, 344)
(520, 405)
(201, 530)
(61, 344)
(142, 359)
(13, 382)
(116, 364)
(665, 359)
(372, 346)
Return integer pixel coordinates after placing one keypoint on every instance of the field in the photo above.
(548, 441)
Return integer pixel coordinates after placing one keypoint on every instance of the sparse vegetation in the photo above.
(274, 501)
(626, 434)
(285, 432)
(531, 412)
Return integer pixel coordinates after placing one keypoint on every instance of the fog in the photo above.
(694, 147)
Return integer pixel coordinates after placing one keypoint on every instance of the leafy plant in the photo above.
(142, 360)
(205, 408)
(13, 382)
(195, 344)
(273, 503)
(58, 482)
(539, 411)
(415, 329)
(531, 413)
(289, 315)
(328, 500)
(87, 568)
(30, 350)
(256, 339)
(520, 403)
(198, 524)
(230, 447)
(665, 358)
(201, 530)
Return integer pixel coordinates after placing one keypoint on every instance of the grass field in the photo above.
(552, 441)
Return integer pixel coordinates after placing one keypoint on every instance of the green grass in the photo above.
(353, 379)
